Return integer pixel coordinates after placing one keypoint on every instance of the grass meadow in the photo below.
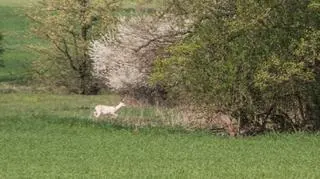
(54, 136)
(16, 57)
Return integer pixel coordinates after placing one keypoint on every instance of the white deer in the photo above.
(105, 110)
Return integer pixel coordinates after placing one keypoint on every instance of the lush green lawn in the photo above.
(46, 136)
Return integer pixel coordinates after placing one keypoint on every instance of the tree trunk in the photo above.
(86, 84)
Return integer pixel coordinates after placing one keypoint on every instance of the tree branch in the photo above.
(162, 37)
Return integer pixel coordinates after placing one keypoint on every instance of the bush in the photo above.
(242, 60)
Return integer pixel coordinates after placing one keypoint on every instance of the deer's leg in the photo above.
(97, 114)
(115, 115)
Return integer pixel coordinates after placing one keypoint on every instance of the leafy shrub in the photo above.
(247, 60)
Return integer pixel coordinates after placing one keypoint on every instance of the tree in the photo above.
(241, 59)
(123, 61)
(309, 51)
(69, 26)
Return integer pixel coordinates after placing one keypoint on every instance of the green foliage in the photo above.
(275, 72)
(246, 61)
(69, 26)
(309, 51)
(50, 136)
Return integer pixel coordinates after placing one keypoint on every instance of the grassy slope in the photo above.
(45, 136)
(14, 27)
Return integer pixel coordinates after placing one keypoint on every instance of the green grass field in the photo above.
(16, 3)
(14, 27)
(51, 136)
